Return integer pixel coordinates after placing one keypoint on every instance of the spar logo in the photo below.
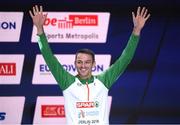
(50, 111)
(87, 104)
(7, 69)
(72, 20)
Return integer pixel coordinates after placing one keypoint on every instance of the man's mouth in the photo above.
(83, 70)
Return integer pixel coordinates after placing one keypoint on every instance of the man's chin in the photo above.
(83, 75)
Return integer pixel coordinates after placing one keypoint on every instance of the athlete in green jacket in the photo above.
(86, 95)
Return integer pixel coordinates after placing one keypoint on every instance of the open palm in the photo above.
(37, 16)
(140, 18)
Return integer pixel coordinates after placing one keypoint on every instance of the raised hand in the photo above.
(139, 19)
(38, 18)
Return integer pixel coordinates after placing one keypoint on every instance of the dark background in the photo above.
(148, 91)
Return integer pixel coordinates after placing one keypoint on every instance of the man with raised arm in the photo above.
(85, 94)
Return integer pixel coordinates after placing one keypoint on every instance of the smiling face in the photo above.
(84, 63)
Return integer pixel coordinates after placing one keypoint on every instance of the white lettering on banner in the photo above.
(50, 111)
(75, 27)
(10, 25)
(84, 20)
(7, 69)
(11, 68)
(42, 74)
(87, 104)
(11, 109)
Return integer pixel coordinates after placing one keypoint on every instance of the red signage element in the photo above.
(84, 20)
(73, 20)
(7, 69)
(85, 104)
(52, 111)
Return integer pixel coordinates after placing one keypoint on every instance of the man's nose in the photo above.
(83, 65)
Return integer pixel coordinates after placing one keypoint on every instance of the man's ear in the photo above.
(75, 62)
(94, 63)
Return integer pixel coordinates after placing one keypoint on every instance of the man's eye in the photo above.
(88, 62)
(79, 62)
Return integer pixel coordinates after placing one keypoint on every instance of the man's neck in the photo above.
(85, 77)
(85, 80)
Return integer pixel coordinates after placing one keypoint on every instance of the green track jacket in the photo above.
(86, 100)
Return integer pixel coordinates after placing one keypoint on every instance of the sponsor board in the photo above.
(11, 110)
(75, 27)
(49, 110)
(11, 68)
(10, 26)
(42, 74)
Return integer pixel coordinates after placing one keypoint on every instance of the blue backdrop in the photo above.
(148, 91)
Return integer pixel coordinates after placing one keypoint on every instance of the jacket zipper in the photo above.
(87, 90)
